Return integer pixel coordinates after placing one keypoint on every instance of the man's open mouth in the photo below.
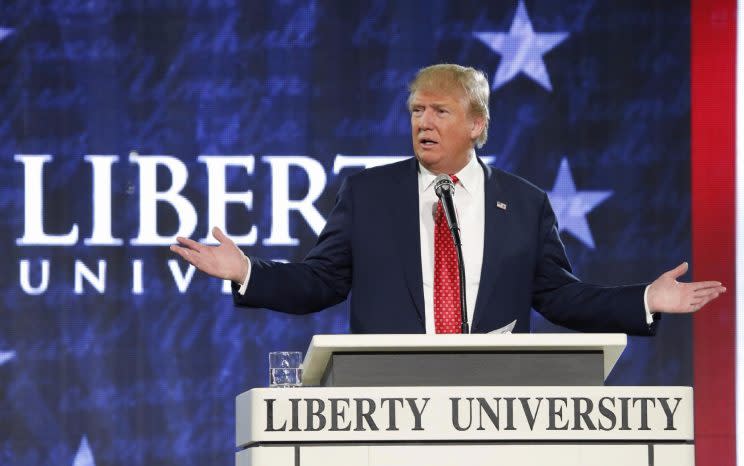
(427, 142)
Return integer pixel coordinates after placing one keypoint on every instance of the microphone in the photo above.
(445, 190)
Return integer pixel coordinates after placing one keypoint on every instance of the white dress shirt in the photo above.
(470, 204)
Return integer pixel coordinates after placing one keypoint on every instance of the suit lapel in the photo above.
(495, 218)
(405, 204)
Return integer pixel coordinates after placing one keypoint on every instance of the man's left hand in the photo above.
(666, 294)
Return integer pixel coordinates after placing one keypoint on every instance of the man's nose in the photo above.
(426, 119)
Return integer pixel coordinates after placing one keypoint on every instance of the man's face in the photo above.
(443, 131)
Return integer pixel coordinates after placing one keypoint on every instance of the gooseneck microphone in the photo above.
(445, 190)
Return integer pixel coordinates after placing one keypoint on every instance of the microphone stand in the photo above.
(461, 266)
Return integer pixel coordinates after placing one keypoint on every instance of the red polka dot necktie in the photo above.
(447, 316)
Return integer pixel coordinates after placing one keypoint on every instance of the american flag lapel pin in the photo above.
(501, 205)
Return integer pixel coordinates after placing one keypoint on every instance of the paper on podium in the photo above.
(505, 329)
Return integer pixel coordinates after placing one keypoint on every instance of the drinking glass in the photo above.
(285, 369)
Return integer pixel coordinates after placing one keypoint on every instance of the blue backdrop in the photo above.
(123, 123)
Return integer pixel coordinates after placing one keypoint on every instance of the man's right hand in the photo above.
(225, 261)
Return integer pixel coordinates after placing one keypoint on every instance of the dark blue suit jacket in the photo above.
(370, 247)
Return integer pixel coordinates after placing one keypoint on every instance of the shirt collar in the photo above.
(467, 177)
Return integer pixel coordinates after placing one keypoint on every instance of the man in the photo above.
(386, 243)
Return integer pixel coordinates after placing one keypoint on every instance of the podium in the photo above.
(436, 400)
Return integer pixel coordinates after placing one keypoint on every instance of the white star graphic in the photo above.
(521, 49)
(571, 206)
(6, 356)
(84, 457)
(5, 32)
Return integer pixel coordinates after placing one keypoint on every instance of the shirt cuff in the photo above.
(244, 285)
(649, 314)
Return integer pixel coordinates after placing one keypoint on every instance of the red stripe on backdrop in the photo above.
(713, 78)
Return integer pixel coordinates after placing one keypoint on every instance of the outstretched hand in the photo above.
(666, 294)
(225, 261)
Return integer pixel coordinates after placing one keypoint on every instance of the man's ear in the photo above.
(479, 125)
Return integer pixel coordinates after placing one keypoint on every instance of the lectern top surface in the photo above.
(323, 346)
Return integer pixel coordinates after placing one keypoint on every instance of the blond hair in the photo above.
(447, 77)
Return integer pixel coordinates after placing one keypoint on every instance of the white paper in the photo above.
(506, 328)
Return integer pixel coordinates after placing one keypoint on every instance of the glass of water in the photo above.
(285, 369)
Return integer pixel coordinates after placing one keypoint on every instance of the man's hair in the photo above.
(446, 77)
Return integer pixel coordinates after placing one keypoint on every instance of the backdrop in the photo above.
(123, 124)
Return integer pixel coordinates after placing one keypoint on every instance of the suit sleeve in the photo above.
(563, 299)
(321, 280)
